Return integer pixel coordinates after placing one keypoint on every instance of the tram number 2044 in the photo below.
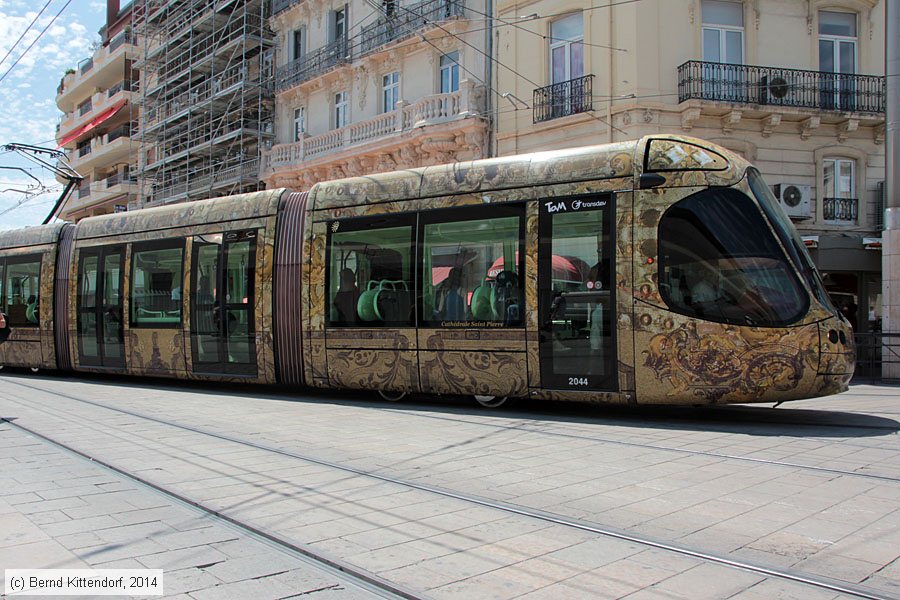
(578, 381)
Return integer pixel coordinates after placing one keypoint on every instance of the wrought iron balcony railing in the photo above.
(406, 20)
(840, 209)
(747, 84)
(564, 98)
(315, 63)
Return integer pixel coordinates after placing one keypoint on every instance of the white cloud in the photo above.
(28, 111)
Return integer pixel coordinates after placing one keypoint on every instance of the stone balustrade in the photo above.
(430, 110)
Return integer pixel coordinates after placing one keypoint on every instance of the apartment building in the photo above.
(98, 101)
(207, 110)
(370, 86)
(795, 86)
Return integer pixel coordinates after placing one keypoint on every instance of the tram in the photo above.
(657, 271)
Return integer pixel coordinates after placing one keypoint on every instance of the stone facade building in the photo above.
(363, 88)
(796, 86)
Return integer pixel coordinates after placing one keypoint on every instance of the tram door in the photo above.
(576, 299)
(222, 301)
(99, 302)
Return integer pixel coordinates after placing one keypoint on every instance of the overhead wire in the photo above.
(35, 41)
(541, 35)
(24, 33)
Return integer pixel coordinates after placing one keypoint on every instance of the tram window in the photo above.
(370, 281)
(719, 261)
(156, 279)
(22, 291)
(472, 271)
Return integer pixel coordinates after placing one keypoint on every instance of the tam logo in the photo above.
(553, 207)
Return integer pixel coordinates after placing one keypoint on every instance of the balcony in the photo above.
(563, 99)
(95, 106)
(772, 86)
(436, 109)
(118, 187)
(110, 148)
(102, 70)
(313, 64)
(840, 210)
(406, 21)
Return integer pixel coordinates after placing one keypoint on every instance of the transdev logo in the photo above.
(563, 206)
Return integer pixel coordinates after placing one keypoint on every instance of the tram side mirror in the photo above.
(651, 180)
(4, 328)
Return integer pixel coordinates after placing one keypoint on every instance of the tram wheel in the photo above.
(392, 396)
(491, 401)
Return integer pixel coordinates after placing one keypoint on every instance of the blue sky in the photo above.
(28, 112)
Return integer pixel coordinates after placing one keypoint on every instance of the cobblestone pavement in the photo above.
(811, 488)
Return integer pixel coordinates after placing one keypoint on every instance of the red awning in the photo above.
(106, 114)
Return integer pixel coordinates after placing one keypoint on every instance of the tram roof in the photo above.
(30, 236)
(199, 212)
(569, 165)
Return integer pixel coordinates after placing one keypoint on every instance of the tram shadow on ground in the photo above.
(755, 420)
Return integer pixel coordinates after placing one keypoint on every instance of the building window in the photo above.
(723, 31)
(156, 284)
(839, 201)
(20, 281)
(471, 267)
(719, 261)
(299, 123)
(341, 106)
(837, 59)
(390, 91)
(298, 43)
(566, 49)
(370, 277)
(450, 73)
(338, 24)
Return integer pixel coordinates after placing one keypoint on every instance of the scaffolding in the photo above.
(207, 103)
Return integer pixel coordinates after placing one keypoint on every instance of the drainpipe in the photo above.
(891, 235)
(489, 78)
(610, 136)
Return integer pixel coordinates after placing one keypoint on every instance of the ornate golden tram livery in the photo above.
(660, 271)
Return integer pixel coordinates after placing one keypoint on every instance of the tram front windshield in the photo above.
(789, 237)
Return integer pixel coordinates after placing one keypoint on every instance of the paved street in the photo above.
(443, 499)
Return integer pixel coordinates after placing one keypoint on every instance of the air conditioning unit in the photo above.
(795, 199)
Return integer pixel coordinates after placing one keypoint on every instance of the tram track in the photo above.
(832, 585)
(341, 569)
(531, 427)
